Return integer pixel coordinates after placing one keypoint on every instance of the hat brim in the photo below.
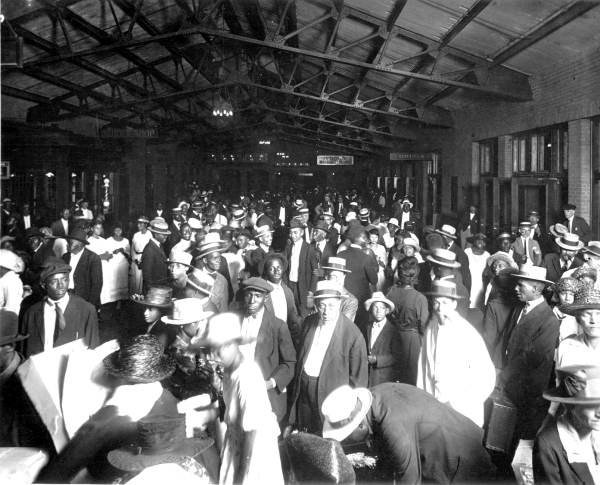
(595, 252)
(389, 303)
(519, 276)
(206, 252)
(320, 297)
(507, 259)
(160, 231)
(128, 459)
(366, 398)
(208, 342)
(569, 248)
(555, 396)
(574, 309)
(170, 261)
(164, 369)
(196, 318)
(454, 265)
(444, 233)
(84, 241)
(143, 302)
(14, 339)
(331, 268)
(445, 295)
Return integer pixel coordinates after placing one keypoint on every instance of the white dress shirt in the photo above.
(318, 348)
(530, 305)
(295, 261)
(375, 331)
(250, 328)
(73, 264)
(279, 302)
(65, 224)
(26, 222)
(50, 318)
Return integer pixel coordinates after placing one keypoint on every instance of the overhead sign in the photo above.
(413, 156)
(335, 160)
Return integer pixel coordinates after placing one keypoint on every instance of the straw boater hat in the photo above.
(580, 384)
(378, 296)
(533, 273)
(525, 225)
(364, 214)
(160, 439)
(263, 231)
(212, 243)
(328, 289)
(187, 310)
(298, 203)
(327, 213)
(238, 215)
(586, 298)
(443, 257)
(159, 226)
(343, 410)
(336, 264)
(593, 247)
(447, 230)
(143, 219)
(557, 230)
(194, 223)
(222, 329)
(443, 288)
(569, 241)
(156, 296)
(140, 360)
(350, 216)
(9, 329)
(501, 256)
(180, 257)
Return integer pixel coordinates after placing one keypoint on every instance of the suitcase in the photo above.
(501, 421)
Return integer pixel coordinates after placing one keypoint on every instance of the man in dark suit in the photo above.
(61, 317)
(60, 227)
(538, 232)
(272, 349)
(332, 353)
(525, 249)
(557, 264)
(322, 243)
(469, 225)
(383, 341)
(448, 233)
(85, 279)
(154, 260)
(175, 229)
(303, 264)
(530, 338)
(575, 224)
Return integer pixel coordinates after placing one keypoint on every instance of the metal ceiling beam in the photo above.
(465, 20)
(296, 138)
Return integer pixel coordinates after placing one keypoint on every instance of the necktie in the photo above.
(525, 247)
(60, 323)
(571, 226)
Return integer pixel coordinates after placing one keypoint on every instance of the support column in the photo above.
(136, 172)
(580, 166)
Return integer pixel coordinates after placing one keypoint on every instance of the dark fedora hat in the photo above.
(156, 296)
(479, 236)
(9, 328)
(569, 207)
(34, 232)
(443, 288)
(322, 226)
(258, 284)
(140, 360)
(79, 235)
(296, 223)
(160, 439)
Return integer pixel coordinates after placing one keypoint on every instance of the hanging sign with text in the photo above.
(335, 160)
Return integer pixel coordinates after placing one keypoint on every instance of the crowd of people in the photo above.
(256, 320)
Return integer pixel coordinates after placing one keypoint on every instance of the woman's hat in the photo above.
(569, 241)
(566, 284)
(343, 410)
(159, 226)
(336, 264)
(501, 256)
(443, 257)
(180, 257)
(558, 230)
(222, 329)
(379, 296)
(78, 235)
(394, 222)
(212, 243)
(585, 271)
(586, 298)
(263, 231)
(9, 328)
(579, 384)
(530, 272)
(140, 360)
(10, 260)
(187, 310)
(479, 236)
(443, 288)
(592, 247)
(160, 439)
(406, 201)
(328, 289)
(447, 230)
(156, 296)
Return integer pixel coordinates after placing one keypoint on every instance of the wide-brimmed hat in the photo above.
(143, 219)
(297, 223)
(412, 242)
(569, 241)
(156, 296)
(262, 230)
(194, 223)
(238, 215)
(180, 257)
(504, 235)
(222, 329)
(298, 203)
(406, 201)
(140, 360)
(197, 204)
(34, 232)
(10, 260)
(211, 243)
(327, 213)
(343, 410)
(255, 283)
(566, 283)
(159, 226)
(585, 271)
(78, 235)
(443, 257)
(350, 216)
(525, 225)
(558, 230)
(447, 230)
(479, 236)
(592, 247)
(322, 226)
(160, 439)
(443, 288)
(378, 296)
(579, 384)
(187, 310)
(533, 273)
(328, 289)
(586, 298)
(53, 266)
(501, 256)
(9, 328)
(394, 222)
(336, 264)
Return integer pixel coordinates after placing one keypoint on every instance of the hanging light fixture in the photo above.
(222, 106)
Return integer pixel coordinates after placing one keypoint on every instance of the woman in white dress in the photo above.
(478, 257)
(380, 255)
(118, 265)
(138, 243)
(98, 245)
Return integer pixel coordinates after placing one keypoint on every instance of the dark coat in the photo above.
(57, 228)
(276, 357)
(329, 250)
(550, 462)
(422, 439)
(173, 238)
(462, 258)
(294, 321)
(345, 361)
(552, 263)
(528, 363)
(154, 266)
(581, 228)
(473, 224)
(364, 271)
(87, 277)
(81, 322)
(164, 332)
(387, 349)
(255, 261)
(307, 278)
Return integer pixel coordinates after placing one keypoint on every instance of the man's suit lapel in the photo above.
(334, 343)
(369, 334)
(582, 471)
(264, 332)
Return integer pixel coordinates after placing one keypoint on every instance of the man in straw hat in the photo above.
(208, 263)
(60, 317)
(11, 286)
(187, 281)
(332, 353)
(255, 259)
(250, 452)
(335, 270)
(557, 264)
(416, 438)
(138, 243)
(448, 234)
(528, 346)
(565, 449)
(154, 257)
(444, 266)
(525, 249)
(454, 364)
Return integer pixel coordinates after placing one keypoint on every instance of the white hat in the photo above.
(263, 230)
(531, 272)
(328, 289)
(343, 410)
(394, 222)
(443, 257)
(350, 216)
(194, 223)
(187, 310)
(10, 261)
(569, 241)
(378, 296)
(448, 231)
(221, 329)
